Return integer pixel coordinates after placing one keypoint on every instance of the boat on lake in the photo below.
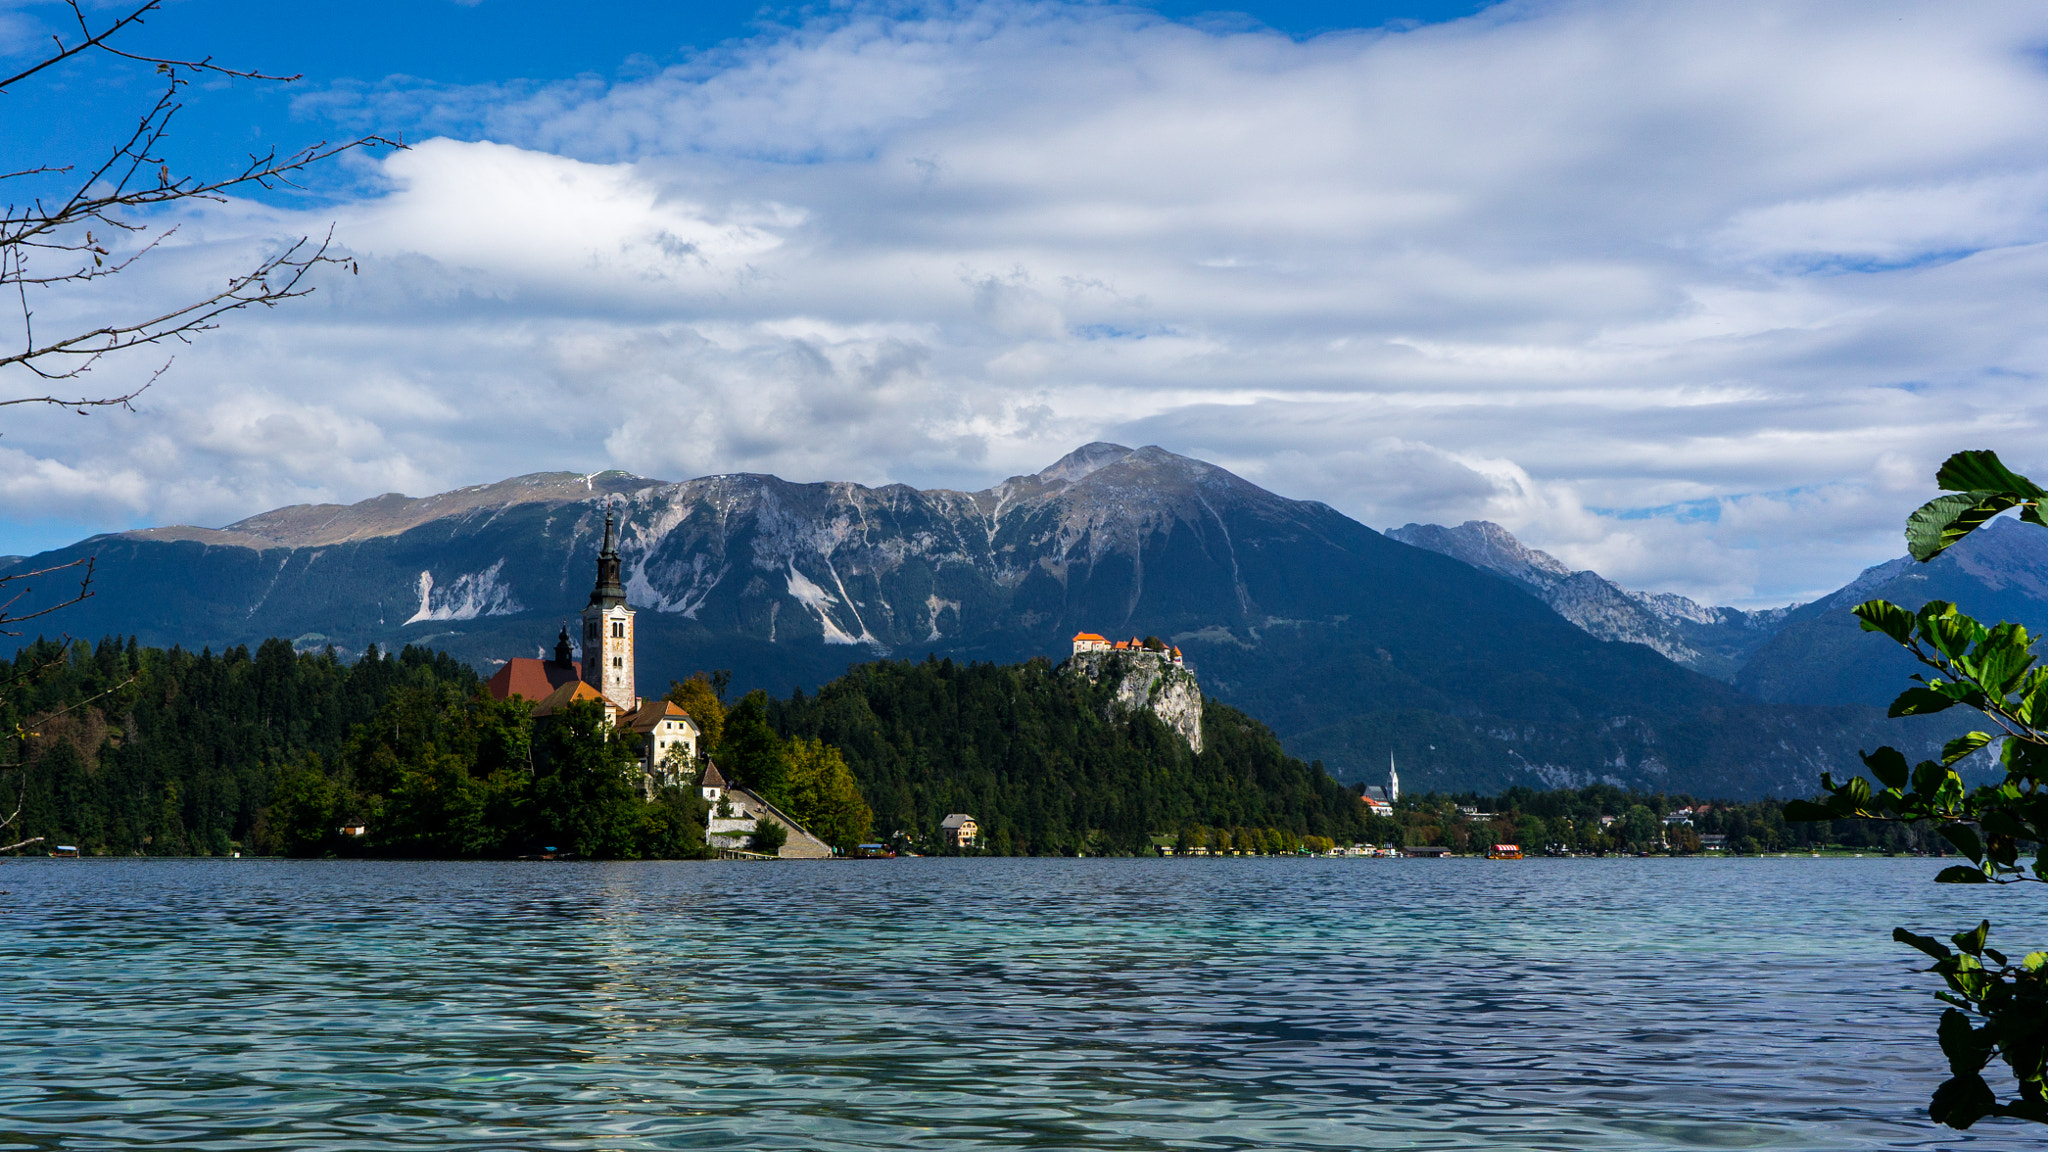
(1505, 852)
(873, 852)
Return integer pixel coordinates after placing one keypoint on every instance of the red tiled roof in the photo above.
(534, 679)
(653, 712)
(564, 696)
(1080, 636)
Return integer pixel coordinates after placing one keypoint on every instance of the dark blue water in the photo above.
(1088, 1004)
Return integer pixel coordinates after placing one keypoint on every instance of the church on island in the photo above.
(671, 751)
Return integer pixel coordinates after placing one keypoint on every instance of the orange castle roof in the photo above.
(1080, 636)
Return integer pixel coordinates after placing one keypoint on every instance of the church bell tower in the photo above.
(608, 629)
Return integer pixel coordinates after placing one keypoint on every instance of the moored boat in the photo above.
(1505, 852)
(873, 852)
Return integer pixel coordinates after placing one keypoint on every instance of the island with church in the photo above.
(671, 751)
(1111, 750)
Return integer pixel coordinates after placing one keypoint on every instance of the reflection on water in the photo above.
(1103, 1004)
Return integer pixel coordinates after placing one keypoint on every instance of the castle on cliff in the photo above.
(1150, 675)
(1091, 642)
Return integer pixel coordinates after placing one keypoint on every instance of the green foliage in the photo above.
(1982, 487)
(824, 796)
(768, 837)
(583, 784)
(751, 754)
(1999, 1011)
(699, 696)
(174, 753)
(1046, 765)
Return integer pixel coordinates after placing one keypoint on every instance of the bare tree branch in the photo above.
(98, 40)
(76, 233)
(8, 616)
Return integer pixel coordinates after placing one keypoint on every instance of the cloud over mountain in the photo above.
(1695, 295)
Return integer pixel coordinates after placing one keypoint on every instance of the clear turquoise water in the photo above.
(1087, 1004)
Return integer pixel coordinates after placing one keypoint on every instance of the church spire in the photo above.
(608, 591)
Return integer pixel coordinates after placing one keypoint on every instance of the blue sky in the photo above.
(1695, 294)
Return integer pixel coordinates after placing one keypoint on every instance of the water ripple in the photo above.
(1117, 1005)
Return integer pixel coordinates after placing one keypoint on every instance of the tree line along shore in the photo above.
(121, 749)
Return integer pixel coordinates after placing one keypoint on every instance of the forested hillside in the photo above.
(131, 750)
(175, 752)
(1037, 759)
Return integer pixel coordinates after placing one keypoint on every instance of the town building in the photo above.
(669, 742)
(960, 830)
(1381, 800)
(737, 813)
(537, 679)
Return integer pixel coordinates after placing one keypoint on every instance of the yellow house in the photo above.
(960, 830)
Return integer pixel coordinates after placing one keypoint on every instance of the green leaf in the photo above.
(2001, 658)
(1888, 765)
(1927, 944)
(1972, 942)
(1951, 632)
(1928, 778)
(1965, 839)
(1806, 812)
(1961, 874)
(2033, 710)
(1886, 617)
(1942, 521)
(1962, 1101)
(1919, 702)
(1960, 747)
(2034, 961)
(1980, 470)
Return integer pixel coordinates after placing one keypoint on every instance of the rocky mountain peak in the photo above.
(1706, 639)
(1484, 544)
(1084, 460)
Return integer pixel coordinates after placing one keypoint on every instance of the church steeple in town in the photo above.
(608, 629)
(564, 652)
(608, 591)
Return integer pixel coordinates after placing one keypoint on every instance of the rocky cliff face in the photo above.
(1149, 681)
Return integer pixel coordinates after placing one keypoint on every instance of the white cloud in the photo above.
(1696, 294)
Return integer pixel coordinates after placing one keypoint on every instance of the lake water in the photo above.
(970, 1004)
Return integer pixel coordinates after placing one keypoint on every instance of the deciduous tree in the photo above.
(1998, 1004)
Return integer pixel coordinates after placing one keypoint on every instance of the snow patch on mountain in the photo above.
(472, 595)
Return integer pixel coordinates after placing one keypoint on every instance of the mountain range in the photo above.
(1474, 661)
(1814, 653)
